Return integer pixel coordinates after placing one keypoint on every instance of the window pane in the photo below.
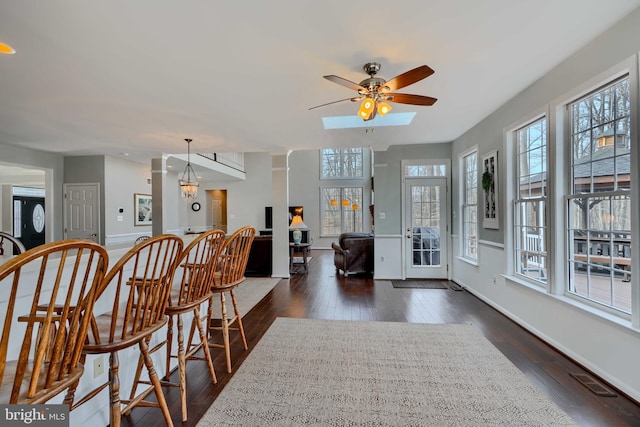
(342, 210)
(331, 166)
(425, 170)
(469, 208)
(342, 163)
(530, 230)
(352, 163)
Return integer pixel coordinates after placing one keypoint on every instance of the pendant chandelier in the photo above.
(188, 183)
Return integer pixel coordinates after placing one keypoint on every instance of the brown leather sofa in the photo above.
(354, 253)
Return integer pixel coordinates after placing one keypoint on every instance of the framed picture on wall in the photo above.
(490, 190)
(142, 209)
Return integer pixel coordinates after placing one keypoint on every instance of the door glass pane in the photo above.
(425, 223)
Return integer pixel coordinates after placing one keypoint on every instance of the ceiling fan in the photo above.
(374, 91)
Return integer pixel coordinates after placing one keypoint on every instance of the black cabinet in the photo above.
(260, 260)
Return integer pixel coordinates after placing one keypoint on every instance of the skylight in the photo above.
(346, 122)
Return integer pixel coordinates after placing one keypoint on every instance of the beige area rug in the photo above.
(248, 294)
(306, 372)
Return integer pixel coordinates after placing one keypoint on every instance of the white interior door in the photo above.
(426, 228)
(82, 219)
(217, 216)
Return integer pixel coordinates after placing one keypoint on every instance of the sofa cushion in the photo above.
(344, 236)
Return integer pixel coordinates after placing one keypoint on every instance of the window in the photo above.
(341, 210)
(414, 171)
(529, 217)
(599, 205)
(341, 163)
(470, 206)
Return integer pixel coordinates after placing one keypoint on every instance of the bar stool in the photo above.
(15, 245)
(63, 279)
(137, 288)
(230, 273)
(192, 288)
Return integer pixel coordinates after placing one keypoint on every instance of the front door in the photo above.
(82, 214)
(426, 228)
(28, 214)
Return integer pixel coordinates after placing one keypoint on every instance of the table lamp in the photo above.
(296, 225)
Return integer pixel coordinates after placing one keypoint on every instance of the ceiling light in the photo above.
(366, 108)
(188, 182)
(383, 108)
(5, 48)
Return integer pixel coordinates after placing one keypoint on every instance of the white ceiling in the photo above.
(137, 77)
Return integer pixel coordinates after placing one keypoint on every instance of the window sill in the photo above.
(618, 320)
(468, 261)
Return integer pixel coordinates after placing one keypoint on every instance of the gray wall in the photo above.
(608, 345)
(388, 181)
(123, 178)
(304, 190)
(54, 165)
(612, 47)
(246, 199)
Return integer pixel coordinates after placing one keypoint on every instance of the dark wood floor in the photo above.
(321, 294)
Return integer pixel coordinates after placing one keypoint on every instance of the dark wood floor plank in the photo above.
(321, 294)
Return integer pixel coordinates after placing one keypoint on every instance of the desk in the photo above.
(304, 248)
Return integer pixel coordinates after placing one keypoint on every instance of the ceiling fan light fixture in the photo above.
(366, 108)
(383, 108)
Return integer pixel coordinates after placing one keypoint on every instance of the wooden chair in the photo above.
(230, 273)
(192, 288)
(63, 279)
(137, 288)
(141, 239)
(15, 245)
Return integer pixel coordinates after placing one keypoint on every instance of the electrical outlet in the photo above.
(495, 279)
(98, 366)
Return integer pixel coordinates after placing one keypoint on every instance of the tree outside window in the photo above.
(341, 210)
(599, 206)
(341, 163)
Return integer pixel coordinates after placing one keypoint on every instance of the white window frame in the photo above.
(589, 249)
(560, 159)
(530, 250)
(468, 246)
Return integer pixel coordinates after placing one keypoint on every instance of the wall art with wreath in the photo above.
(489, 184)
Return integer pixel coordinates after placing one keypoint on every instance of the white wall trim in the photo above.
(492, 244)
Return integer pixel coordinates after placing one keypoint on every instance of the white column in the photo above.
(280, 198)
(158, 203)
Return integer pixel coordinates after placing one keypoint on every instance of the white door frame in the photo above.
(446, 237)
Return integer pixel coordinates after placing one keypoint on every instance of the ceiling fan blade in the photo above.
(406, 79)
(404, 98)
(345, 83)
(358, 98)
